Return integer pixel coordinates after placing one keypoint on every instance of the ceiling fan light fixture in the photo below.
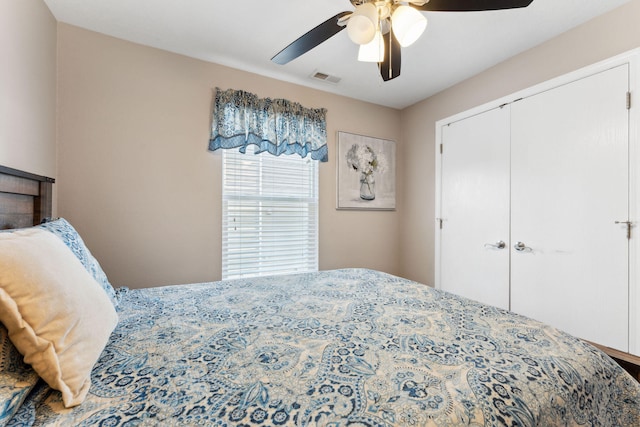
(372, 51)
(363, 24)
(408, 24)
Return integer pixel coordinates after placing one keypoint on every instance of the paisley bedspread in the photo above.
(338, 348)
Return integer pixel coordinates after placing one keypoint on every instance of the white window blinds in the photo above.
(270, 214)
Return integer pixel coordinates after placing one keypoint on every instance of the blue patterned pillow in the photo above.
(17, 378)
(65, 231)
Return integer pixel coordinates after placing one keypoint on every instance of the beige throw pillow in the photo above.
(57, 315)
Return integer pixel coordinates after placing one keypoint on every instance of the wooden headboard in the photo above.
(25, 198)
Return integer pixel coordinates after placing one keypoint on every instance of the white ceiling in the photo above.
(245, 34)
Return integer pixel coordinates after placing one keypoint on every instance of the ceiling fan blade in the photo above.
(390, 67)
(471, 5)
(311, 39)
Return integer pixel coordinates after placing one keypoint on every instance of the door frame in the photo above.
(632, 58)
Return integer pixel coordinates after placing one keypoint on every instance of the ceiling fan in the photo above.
(382, 27)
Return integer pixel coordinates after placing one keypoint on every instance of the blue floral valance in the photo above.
(275, 125)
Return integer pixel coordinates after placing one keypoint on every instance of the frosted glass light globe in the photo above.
(363, 24)
(408, 25)
(372, 51)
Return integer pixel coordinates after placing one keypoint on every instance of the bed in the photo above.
(350, 347)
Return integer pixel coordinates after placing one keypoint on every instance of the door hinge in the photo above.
(629, 225)
(441, 148)
(440, 222)
(628, 100)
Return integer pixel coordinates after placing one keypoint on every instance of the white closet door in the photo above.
(569, 187)
(475, 208)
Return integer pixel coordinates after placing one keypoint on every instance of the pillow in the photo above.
(17, 378)
(65, 231)
(57, 315)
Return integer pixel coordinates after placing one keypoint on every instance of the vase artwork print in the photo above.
(363, 160)
(366, 172)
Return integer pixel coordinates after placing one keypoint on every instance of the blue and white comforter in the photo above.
(341, 348)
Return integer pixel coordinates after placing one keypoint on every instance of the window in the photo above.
(270, 214)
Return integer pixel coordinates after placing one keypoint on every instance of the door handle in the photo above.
(521, 247)
(499, 245)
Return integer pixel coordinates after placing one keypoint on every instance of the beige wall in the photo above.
(613, 33)
(28, 87)
(137, 180)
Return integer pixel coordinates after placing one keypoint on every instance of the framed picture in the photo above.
(366, 172)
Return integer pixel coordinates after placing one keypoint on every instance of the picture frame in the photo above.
(366, 168)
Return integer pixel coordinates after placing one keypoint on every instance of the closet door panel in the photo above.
(475, 208)
(569, 187)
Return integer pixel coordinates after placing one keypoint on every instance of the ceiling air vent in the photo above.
(325, 77)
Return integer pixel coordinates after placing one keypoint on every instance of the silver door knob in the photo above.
(499, 245)
(521, 247)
